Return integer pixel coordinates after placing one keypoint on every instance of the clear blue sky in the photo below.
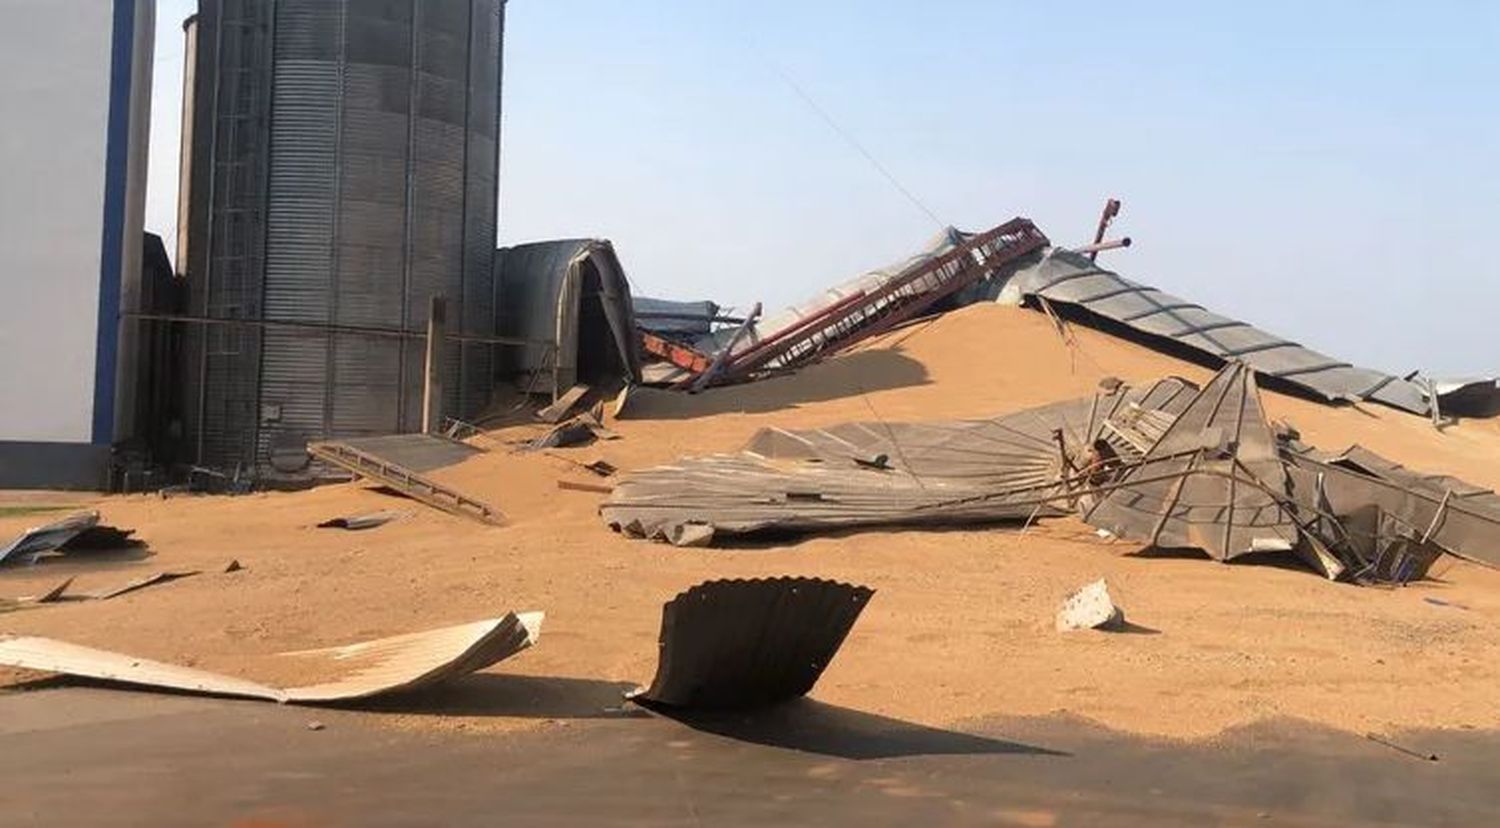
(1328, 170)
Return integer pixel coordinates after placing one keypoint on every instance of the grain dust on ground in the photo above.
(961, 625)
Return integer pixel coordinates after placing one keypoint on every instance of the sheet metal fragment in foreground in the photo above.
(879, 474)
(372, 668)
(750, 643)
(48, 537)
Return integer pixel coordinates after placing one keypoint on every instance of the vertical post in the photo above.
(432, 379)
(725, 355)
(1111, 209)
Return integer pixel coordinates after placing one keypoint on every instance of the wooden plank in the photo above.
(680, 355)
(555, 412)
(432, 381)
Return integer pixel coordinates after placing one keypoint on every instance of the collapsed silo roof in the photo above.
(573, 295)
(1067, 278)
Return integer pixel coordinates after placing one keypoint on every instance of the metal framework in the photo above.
(684, 357)
(405, 481)
(871, 312)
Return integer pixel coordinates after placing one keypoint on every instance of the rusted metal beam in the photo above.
(872, 312)
(1099, 247)
(758, 355)
(1111, 209)
(726, 356)
(684, 357)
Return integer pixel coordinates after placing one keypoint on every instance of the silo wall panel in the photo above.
(377, 187)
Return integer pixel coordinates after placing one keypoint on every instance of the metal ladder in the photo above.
(869, 313)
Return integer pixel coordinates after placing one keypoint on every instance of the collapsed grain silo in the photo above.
(570, 301)
(342, 171)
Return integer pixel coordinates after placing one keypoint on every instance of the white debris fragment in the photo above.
(1090, 608)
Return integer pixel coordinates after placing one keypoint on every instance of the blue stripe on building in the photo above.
(116, 169)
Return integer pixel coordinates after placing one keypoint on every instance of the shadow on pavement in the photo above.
(829, 730)
(495, 694)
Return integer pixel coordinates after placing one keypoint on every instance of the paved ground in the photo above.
(82, 755)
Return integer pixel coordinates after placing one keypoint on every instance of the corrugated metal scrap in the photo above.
(750, 643)
(675, 318)
(1068, 278)
(1213, 480)
(45, 538)
(1219, 479)
(1378, 515)
(1168, 465)
(370, 668)
(364, 520)
(866, 474)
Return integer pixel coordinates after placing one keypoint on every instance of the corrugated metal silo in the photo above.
(345, 168)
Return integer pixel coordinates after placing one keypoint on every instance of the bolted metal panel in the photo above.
(228, 283)
(368, 376)
(477, 363)
(373, 169)
(291, 408)
(355, 177)
(301, 201)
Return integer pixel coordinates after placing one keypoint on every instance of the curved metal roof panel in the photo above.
(1063, 276)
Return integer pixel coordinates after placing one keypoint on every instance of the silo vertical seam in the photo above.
(463, 237)
(496, 352)
(335, 264)
(268, 107)
(409, 170)
(208, 269)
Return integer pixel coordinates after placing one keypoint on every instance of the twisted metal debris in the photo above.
(1169, 465)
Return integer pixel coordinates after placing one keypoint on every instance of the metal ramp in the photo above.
(357, 459)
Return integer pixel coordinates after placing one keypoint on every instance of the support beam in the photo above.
(725, 355)
(432, 379)
(1111, 209)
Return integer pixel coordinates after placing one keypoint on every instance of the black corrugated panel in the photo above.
(749, 643)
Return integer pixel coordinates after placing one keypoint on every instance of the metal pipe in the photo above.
(1111, 209)
(1096, 247)
(689, 317)
(185, 148)
(316, 328)
(725, 356)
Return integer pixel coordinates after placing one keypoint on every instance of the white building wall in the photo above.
(57, 59)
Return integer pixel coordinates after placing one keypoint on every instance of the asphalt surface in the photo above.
(73, 755)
